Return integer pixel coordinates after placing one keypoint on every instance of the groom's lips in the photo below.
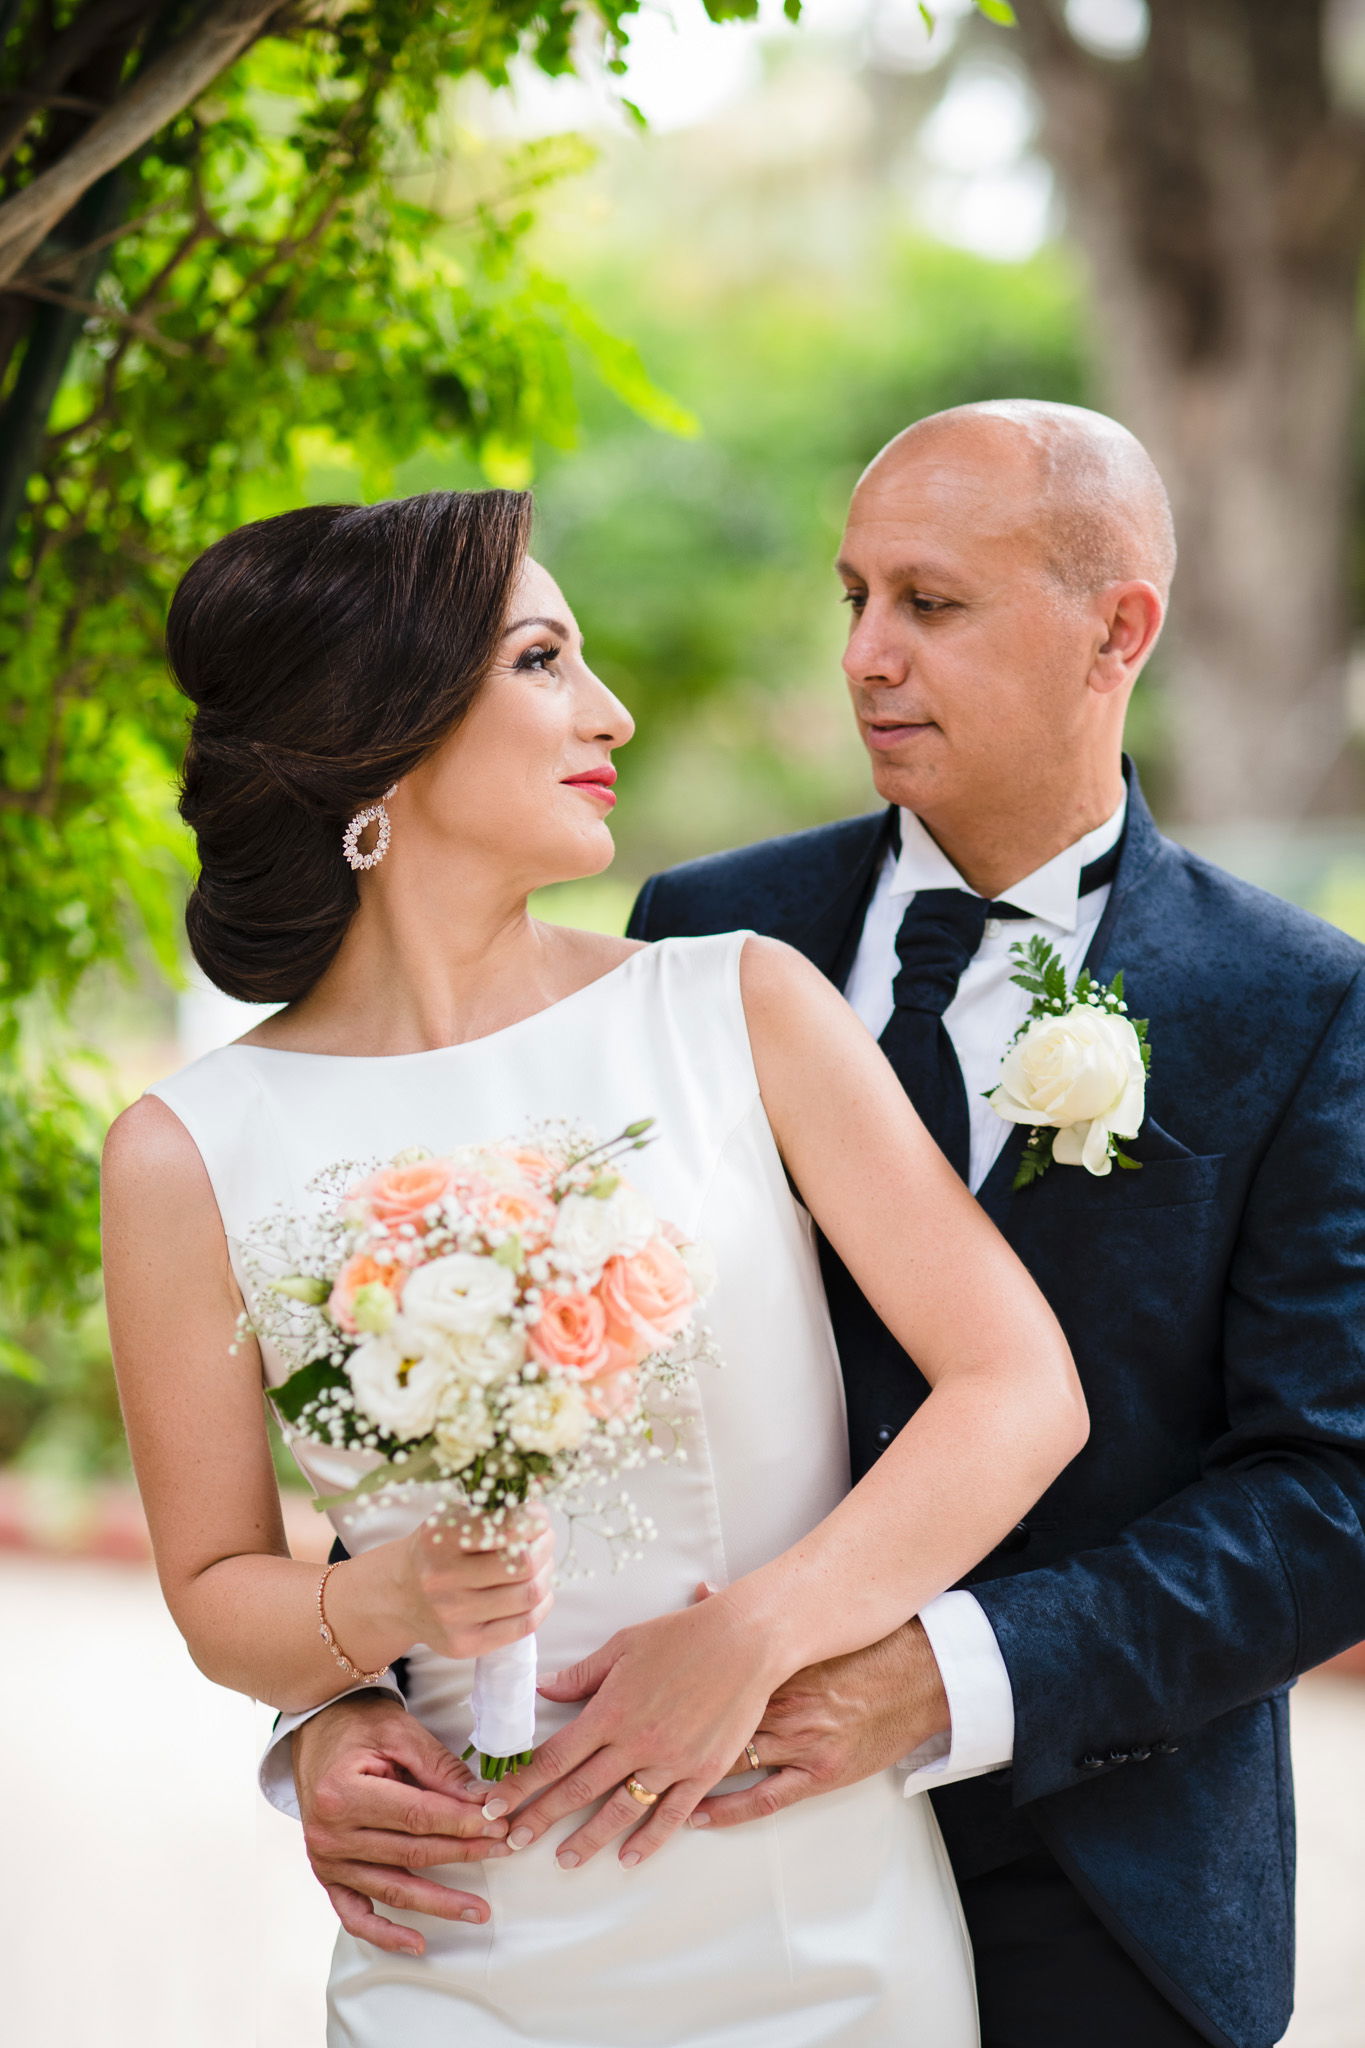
(885, 736)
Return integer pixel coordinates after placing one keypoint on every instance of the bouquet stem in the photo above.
(496, 1768)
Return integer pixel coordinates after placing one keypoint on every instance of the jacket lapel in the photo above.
(828, 935)
(1109, 950)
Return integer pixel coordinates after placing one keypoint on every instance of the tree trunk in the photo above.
(1220, 203)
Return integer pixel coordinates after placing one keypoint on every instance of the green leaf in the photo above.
(1034, 1160)
(1121, 1158)
(999, 11)
(308, 1384)
(927, 17)
(508, 1253)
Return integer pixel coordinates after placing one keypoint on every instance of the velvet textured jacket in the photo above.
(1208, 1544)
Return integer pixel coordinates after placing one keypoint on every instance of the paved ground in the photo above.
(149, 1898)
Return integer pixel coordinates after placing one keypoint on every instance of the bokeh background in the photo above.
(685, 275)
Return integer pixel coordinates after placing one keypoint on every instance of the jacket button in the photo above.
(1139, 1756)
(1016, 1540)
(1166, 1748)
(884, 1433)
(1119, 1756)
(1092, 1763)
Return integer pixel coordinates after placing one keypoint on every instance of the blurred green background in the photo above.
(690, 336)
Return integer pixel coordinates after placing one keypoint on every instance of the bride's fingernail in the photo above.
(699, 1820)
(631, 1858)
(494, 1809)
(567, 1859)
(519, 1838)
(473, 1918)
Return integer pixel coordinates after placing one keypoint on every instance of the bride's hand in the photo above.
(675, 1701)
(462, 1595)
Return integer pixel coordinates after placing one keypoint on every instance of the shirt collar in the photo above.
(1051, 892)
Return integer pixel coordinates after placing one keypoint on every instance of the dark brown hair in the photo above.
(326, 652)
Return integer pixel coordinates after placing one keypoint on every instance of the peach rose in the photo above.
(617, 1394)
(571, 1334)
(361, 1271)
(648, 1298)
(522, 1209)
(533, 1165)
(399, 1194)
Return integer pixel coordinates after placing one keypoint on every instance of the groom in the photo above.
(1103, 1707)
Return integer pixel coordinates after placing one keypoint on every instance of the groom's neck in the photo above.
(996, 835)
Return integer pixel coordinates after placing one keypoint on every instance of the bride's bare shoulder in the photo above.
(150, 1156)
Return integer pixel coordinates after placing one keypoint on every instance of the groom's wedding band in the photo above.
(641, 1793)
(752, 1755)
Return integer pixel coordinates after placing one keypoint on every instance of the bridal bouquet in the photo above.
(490, 1323)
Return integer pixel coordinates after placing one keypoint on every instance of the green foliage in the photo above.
(279, 296)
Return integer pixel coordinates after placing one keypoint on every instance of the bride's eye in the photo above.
(857, 598)
(538, 657)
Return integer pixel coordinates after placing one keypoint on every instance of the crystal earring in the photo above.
(373, 814)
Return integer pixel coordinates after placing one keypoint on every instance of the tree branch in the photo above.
(93, 310)
(164, 90)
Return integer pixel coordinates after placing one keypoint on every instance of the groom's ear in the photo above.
(1132, 618)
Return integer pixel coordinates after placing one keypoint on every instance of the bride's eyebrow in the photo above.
(555, 626)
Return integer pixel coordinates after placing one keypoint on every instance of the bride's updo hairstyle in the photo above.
(326, 652)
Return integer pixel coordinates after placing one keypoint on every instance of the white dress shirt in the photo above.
(981, 1020)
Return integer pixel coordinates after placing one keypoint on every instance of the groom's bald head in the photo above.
(1083, 485)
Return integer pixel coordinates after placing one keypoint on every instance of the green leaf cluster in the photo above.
(307, 294)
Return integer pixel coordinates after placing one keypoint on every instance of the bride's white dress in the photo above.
(837, 1921)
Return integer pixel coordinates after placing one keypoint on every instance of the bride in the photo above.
(415, 649)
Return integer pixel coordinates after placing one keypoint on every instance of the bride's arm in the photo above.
(196, 1425)
(1005, 1413)
(680, 1696)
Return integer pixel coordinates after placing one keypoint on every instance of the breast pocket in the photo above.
(1155, 1184)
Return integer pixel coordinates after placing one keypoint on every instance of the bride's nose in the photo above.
(603, 716)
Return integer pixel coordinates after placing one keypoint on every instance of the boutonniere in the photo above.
(1075, 1071)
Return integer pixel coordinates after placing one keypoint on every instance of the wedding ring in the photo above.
(752, 1755)
(641, 1793)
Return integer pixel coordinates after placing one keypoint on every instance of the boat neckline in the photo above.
(431, 1052)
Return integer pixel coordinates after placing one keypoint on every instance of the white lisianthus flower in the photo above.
(550, 1416)
(460, 1295)
(1080, 1074)
(487, 1355)
(395, 1384)
(702, 1271)
(590, 1229)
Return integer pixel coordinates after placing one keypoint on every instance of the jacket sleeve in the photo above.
(1255, 1572)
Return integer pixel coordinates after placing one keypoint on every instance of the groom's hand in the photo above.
(836, 1723)
(378, 1798)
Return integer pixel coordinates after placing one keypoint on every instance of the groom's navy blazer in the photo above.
(1208, 1545)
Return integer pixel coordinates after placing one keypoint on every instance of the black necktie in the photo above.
(939, 935)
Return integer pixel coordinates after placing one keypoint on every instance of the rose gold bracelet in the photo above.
(325, 1631)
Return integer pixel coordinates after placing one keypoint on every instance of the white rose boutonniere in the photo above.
(1076, 1072)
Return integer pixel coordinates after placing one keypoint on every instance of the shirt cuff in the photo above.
(980, 1698)
(275, 1775)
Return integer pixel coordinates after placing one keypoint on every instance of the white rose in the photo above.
(395, 1385)
(460, 1295)
(590, 1230)
(549, 1417)
(1082, 1075)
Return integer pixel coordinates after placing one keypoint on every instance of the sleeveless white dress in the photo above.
(835, 1922)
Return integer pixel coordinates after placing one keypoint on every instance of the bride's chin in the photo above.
(580, 862)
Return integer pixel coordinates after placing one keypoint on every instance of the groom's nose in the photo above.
(876, 652)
